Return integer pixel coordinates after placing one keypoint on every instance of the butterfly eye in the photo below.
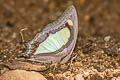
(25, 43)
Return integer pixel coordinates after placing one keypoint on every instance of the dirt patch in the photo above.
(98, 45)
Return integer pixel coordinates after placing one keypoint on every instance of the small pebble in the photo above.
(63, 66)
(22, 75)
(78, 64)
(87, 18)
(51, 76)
(107, 38)
(67, 73)
(80, 2)
(59, 76)
(78, 77)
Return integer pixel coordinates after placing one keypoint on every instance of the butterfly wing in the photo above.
(54, 41)
(57, 40)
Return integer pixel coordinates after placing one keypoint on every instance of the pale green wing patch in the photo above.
(54, 41)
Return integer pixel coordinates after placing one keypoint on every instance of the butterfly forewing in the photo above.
(57, 40)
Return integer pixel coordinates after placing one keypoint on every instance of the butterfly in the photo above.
(57, 40)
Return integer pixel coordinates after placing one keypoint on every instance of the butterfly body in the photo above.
(57, 40)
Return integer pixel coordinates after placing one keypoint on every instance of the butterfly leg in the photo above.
(71, 61)
(54, 65)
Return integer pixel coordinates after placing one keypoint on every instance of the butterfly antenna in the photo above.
(22, 37)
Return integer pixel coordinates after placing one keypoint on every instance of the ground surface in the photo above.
(98, 43)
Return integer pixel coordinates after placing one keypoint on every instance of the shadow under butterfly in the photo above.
(57, 40)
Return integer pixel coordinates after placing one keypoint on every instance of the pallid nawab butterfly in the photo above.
(57, 40)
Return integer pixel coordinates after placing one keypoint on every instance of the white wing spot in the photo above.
(70, 22)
